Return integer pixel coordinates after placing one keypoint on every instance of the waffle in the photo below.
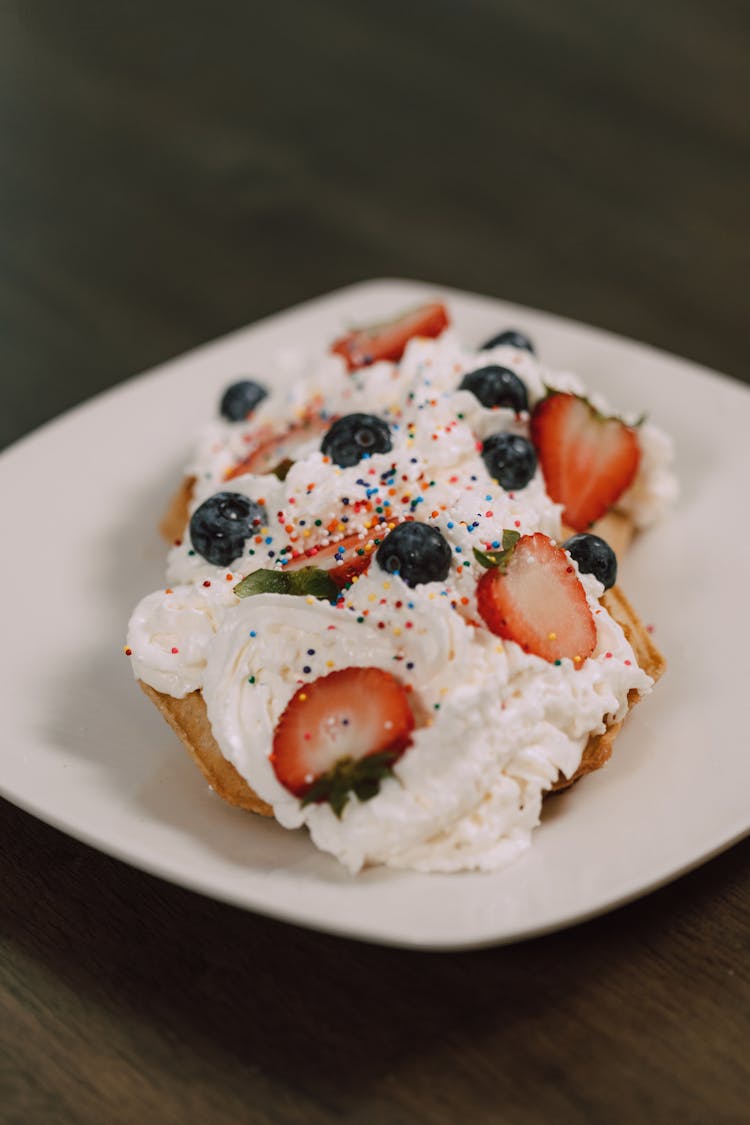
(598, 749)
(189, 720)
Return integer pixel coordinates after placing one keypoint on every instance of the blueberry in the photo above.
(496, 386)
(417, 551)
(594, 556)
(513, 337)
(354, 435)
(510, 459)
(220, 527)
(240, 399)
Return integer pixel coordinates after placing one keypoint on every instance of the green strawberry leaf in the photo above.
(361, 777)
(282, 468)
(501, 557)
(550, 391)
(308, 580)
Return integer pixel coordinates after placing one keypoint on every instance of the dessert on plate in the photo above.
(391, 613)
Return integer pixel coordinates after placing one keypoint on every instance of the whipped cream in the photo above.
(430, 371)
(495, 725)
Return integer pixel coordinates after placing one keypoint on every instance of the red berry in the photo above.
(538, 602)
(345, 558)
(388, 340)
(270, 449)
(587, 460)
(341, 734)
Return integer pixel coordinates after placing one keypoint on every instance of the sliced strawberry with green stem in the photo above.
(273, 452)
(536, 599)
(342, 734)
(387, 340)
(345, 558)
(588, 460)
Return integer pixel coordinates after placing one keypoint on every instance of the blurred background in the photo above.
(170, 171)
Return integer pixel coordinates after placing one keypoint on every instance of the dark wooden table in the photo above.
(171, 171)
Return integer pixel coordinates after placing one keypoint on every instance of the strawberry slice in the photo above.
(534, 597)
(271, 450)
(344, 558)
(341, 734)
(587, 460)
(388, 340)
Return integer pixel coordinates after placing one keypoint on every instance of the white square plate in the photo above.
(85, 751)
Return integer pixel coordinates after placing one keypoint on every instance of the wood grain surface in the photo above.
(171, 171)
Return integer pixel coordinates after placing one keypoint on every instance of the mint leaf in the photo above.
(308, 580)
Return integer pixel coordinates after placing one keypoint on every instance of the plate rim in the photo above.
(338, 927)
